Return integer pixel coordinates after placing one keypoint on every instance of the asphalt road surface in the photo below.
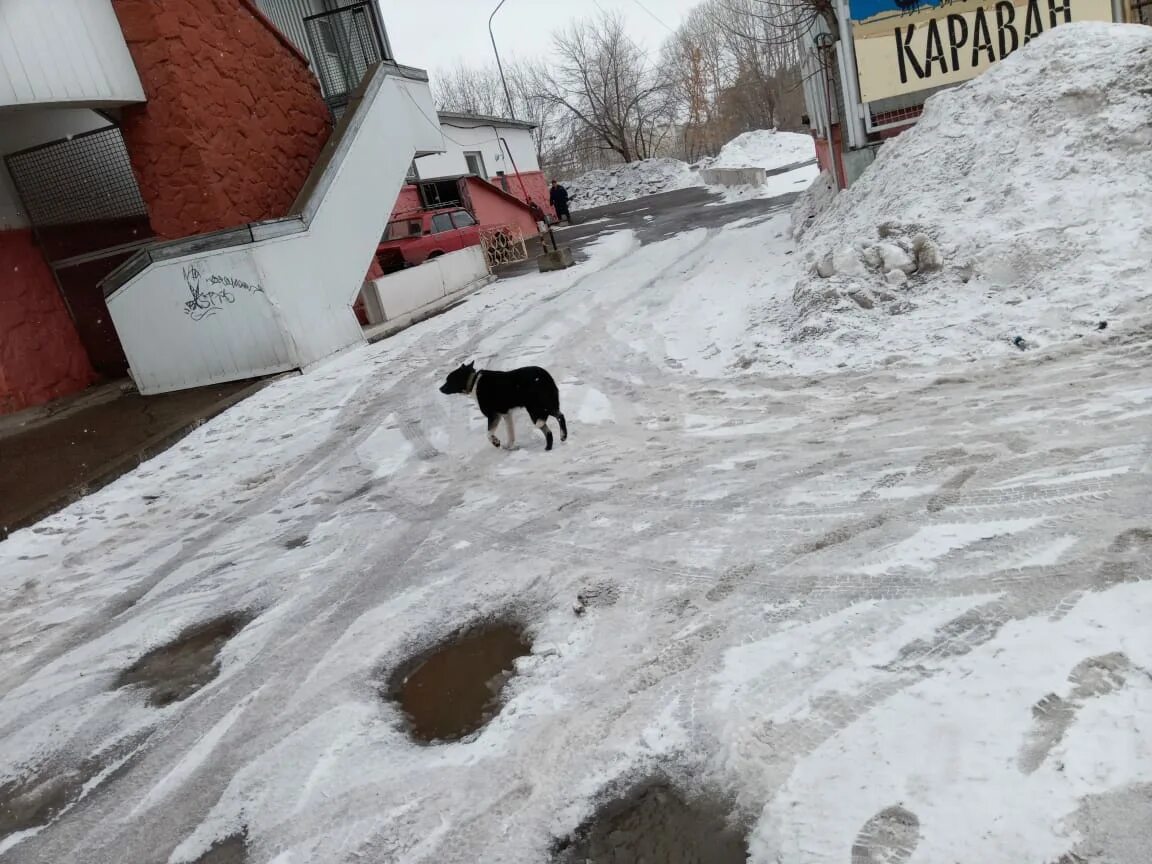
(653, 218)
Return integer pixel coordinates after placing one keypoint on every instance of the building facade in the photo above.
(870, 66)
(127, 123)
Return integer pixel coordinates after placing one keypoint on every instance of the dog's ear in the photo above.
(469, 365)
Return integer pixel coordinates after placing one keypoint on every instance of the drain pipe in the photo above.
(523, 190)
(834, 156)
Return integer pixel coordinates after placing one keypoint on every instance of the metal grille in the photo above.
(503, 244)
(79, 193)
(897, 111)
(85, 178)
(289, 15)
(343, 44)
(896, 117)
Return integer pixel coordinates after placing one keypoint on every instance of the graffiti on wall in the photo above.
(212, 292)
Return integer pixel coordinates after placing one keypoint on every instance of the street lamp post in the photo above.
(499, 66)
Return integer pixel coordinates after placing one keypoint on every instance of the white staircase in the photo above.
(277, 295)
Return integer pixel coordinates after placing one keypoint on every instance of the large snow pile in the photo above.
(1015, 214)
(760, 148)
(763, 148)
(813, 201)
(625, 182)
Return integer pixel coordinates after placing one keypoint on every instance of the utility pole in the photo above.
(499, 65)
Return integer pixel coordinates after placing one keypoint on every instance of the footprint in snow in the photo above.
(889, 837)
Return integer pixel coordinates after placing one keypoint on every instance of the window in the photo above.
(438, 193)
(402, 228)
(441, 222)
(475, 160)
(463, 218)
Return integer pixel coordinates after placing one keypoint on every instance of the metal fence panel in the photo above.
(79, 193)
(343, 43)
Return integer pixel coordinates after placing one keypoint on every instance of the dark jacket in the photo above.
(558, 197)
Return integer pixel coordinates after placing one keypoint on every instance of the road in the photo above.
(653, 218)
(898, 614)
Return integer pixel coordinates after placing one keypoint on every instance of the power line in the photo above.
(655, 17)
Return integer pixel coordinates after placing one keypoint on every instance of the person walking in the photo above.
(558, 198)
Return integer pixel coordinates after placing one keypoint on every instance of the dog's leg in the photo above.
(511, 431)
(493, 422)
(542, 425)
(563, 426)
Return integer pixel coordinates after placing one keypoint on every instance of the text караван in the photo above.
(952, 39)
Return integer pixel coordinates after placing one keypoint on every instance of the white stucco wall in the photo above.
(27, 128)
(483, 139)
(64, 52)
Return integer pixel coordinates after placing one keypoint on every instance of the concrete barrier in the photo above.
(440, 281)
(733, 176)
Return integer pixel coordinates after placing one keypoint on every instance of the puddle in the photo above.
(456, 688)
(175, 671)
(655, 824)
(233, 850)
(32, 803)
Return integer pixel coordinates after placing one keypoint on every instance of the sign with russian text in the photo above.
(904, 45)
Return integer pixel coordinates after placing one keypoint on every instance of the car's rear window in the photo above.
(402, 228)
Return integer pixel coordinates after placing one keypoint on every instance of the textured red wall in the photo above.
(41, 357)
(492, 208)
(535, 188)
(530, 185)
(407, 201)
(234, 120)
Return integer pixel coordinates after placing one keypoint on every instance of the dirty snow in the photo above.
(1023, 200)
(761, 148)
(626, 182)
(779, 627)
(889, 611)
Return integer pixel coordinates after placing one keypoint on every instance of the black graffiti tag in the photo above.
(233, 282)
(204, 304)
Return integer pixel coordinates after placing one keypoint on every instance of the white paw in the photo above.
(512, 447)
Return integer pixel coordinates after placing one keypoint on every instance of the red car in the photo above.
(414, 239)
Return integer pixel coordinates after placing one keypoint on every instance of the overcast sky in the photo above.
(436, 34)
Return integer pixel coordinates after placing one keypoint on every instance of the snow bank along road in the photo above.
(903, 607)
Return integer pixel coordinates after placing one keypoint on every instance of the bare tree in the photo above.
(733, 66)
(606, 86)
(478, 90)
(469, 90)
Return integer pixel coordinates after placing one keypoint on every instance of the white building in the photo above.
(484, 146)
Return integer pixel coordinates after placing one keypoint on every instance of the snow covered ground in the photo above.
(762, 148)
(877, 587)
(875, 607)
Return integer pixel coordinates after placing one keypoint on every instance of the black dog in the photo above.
(497, 393)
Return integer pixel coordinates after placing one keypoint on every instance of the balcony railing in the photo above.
(344, 44)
